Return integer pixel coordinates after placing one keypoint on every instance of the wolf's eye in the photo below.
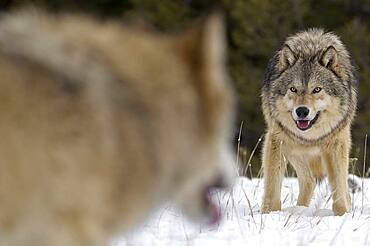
(293, 89)
(317, 90)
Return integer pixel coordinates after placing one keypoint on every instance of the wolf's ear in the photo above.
(214, 45)
(329, 59)
(203, 47)
(287, 58)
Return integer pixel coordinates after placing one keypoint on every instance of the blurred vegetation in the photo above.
(256, 28)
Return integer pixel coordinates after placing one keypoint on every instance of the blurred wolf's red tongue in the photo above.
(215, 214)
(303, 124)
(214, 210)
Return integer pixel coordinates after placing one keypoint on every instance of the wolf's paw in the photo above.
(268, 207)
(340, 209)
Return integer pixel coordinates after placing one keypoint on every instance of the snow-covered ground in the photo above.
(244, 225)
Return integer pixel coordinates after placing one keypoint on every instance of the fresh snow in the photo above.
(243, 224)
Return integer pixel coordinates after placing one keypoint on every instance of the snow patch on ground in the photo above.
(243, 224)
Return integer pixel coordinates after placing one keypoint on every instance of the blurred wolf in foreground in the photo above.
(309, 101)
(101, 123)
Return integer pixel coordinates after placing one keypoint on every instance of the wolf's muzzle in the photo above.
(304, 124)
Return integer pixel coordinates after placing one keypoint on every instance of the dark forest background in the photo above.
(256, 28)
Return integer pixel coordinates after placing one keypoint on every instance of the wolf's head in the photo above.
(162, 102)
(186, 83)
(211, 163)
(309, 87)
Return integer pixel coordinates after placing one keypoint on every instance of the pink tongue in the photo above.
(303, 124)
(215, 211)
(213, 208)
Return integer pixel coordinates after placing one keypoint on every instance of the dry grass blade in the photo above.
(338, 231)
(363, 175)
(249, 165)
(238, 148)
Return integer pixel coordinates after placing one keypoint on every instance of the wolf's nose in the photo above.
(219, 183)
(302, 112)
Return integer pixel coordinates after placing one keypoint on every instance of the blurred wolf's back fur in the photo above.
(307, 60)
(101, 123)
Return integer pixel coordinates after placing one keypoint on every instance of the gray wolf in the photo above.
(101, 123)
(309, 101)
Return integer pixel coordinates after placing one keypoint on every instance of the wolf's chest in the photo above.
(302, 154)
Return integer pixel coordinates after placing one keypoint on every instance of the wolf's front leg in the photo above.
(306, 179)
(336, 158)
(306, 187)
(273, 167)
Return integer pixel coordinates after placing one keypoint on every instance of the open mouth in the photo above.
(304, 125)
(212, 209)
